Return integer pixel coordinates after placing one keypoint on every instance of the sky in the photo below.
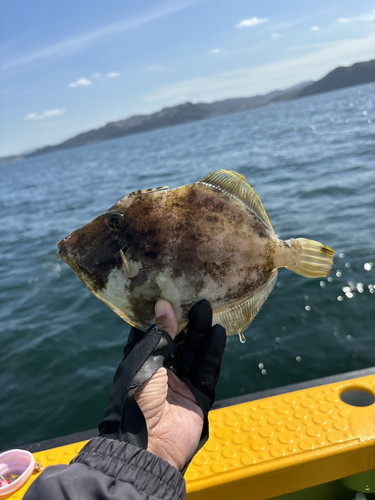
(69, 66)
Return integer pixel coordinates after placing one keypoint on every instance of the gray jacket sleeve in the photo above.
(107, 469)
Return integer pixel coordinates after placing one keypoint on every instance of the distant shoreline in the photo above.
(341, 77)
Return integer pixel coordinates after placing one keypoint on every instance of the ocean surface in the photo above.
(312, 163)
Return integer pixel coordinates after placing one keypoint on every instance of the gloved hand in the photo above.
(165, 411)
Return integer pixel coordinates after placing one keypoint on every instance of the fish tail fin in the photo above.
(314, 260)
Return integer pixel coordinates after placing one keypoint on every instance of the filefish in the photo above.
(207, 240)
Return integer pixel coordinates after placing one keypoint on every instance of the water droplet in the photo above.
(350, 104)
(298, 358)
(342, 255)
(330, 279)
(338, 273)
(313, 127)
(367, 487)
(307, 308)
(264, 372)
(365, 113)
(277, 339)
(332, 119)
(368, 266)
(359, 287)
(307, 297)
(350, 295)
(322, 284)
(242, 338)
(347, 120)
(261, 366)
(349, 337)
(340, 298)
(335, 334)
(369, 121)
(352, 285)
(347, 265)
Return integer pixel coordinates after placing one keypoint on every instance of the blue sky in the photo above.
(69, 66)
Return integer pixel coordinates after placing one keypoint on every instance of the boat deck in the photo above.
(278, 445)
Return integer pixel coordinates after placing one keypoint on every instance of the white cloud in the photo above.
(31, 116)
(53, 112)
(365, 17)
(76, 43)
(214, 51)
(268, 77)
(275, 35)
(47, 114)
(315, 28)
(81, 82)
(154, 67)
(251, 22)
(85, 82)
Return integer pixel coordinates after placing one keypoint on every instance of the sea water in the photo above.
(312, 163)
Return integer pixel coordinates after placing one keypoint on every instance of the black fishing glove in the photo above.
(197, 360)
(143, 356)
(195, 357)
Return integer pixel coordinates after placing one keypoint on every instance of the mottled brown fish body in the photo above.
(185, 244)
(201, 237)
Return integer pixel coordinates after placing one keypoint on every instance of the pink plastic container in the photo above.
(18, 462)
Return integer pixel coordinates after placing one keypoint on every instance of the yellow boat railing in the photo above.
(276, 445)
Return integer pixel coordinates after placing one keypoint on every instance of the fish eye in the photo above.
(116, 221)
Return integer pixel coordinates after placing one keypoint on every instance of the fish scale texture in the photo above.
(275, 445)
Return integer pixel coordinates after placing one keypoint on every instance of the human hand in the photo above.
(152, 407)
(174, 419)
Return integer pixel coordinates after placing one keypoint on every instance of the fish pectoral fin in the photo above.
(125, 265)
(238, 318)
(130, 267)
(235, 184)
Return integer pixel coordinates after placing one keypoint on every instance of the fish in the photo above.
(211, 240)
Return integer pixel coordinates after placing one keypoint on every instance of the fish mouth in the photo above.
(62, 250)
(64, 254)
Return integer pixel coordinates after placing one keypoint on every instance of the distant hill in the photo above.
(167, 117)
(358, 74)
(342, 77)
(339, 78)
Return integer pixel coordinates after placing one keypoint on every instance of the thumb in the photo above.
(165, 317)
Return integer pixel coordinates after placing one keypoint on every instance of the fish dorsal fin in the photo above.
(150, 190)
(235, 184)
(238, 317)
